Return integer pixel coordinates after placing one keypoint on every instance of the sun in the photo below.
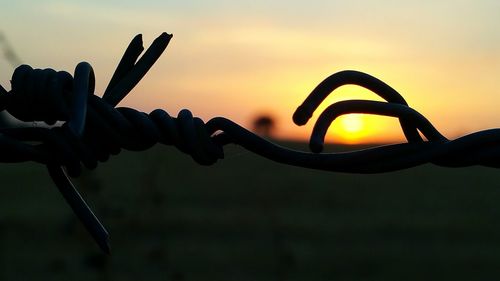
(350, 129)
(352, 123)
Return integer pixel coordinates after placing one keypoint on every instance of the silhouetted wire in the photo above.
(94, 128)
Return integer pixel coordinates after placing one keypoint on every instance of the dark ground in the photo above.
(247, 218)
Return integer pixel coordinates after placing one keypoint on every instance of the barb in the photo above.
(93, 128)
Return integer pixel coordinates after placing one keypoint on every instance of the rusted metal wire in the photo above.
(93, 128)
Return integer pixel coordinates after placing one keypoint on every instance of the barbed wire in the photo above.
(93, 128)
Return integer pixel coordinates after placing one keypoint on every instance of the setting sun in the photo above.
(352, 123)
(350, 128)
(362, 128)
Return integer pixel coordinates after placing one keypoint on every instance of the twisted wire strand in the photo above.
(93, 128)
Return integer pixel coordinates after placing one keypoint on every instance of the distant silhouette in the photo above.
(264, 125)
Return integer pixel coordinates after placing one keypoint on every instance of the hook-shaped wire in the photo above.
(370, 107)
(304, 112)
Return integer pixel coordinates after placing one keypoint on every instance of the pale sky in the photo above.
(239, 58)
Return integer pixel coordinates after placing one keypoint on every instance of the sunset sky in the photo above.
(238, 59)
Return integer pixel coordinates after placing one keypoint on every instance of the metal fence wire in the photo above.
(93, 128)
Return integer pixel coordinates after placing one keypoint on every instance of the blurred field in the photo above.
(247, 218)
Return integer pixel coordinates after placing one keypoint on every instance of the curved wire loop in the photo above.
(93, 128)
